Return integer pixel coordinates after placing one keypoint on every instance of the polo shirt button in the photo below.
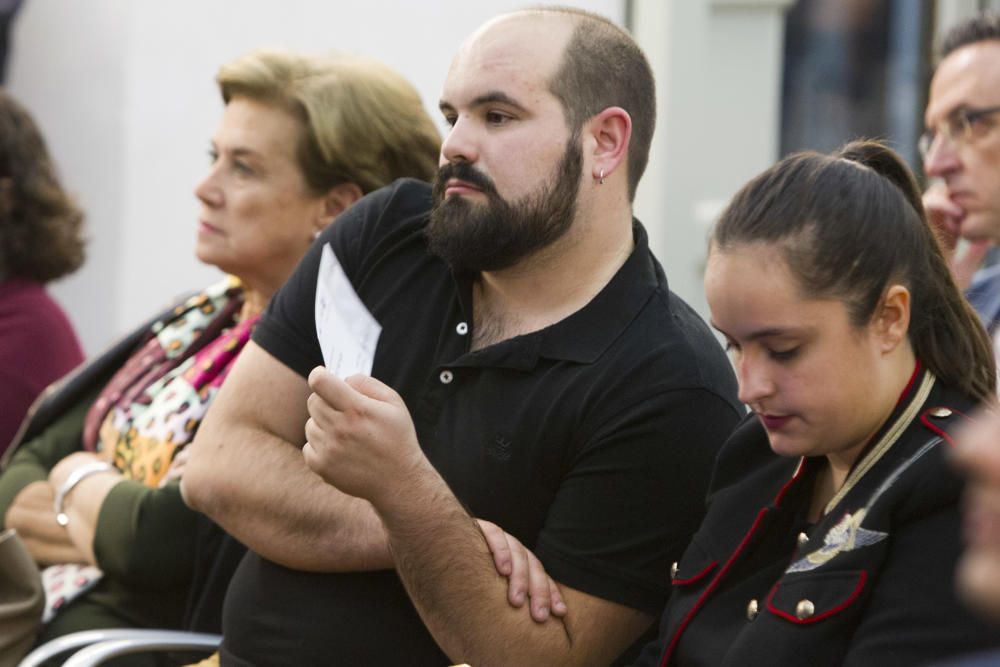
(803, 538)
(941, 413)
(446, 377)
(804, 609)
(752, 610)
(462, 328)
(673, 570)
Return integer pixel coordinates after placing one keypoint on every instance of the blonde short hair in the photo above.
(362, 122)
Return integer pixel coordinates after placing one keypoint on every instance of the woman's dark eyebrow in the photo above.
(762, 333)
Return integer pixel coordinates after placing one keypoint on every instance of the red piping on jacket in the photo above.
(937, 429)
(715, 582)
(909, 385)
(689, 580)
(794, 478)
(818, 617)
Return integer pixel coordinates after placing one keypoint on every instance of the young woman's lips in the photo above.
(774, 422)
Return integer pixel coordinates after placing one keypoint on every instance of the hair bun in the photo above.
(887, 163)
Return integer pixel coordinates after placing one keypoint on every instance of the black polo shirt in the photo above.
(591, 440)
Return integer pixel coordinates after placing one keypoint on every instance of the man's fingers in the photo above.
(496, 541)
(312, 459)
(372, 388)
(539, 589)
(526, 576)
(518, 579)
(335, 392)
(558, 604)
(944, 215)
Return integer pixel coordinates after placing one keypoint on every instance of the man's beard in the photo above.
(473, 237)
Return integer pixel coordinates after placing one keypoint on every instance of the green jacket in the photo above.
(145, 537)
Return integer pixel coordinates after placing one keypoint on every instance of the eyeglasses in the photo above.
(959, 128)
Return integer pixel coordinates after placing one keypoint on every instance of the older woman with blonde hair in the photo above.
(92, 483)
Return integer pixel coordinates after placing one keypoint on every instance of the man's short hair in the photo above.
(603, 67)
(982, 27)
(362, 122)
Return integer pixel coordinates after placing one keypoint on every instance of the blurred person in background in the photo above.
(964, 110)
(92, 486)
(961, 151)
(40, 241)
(977, 454)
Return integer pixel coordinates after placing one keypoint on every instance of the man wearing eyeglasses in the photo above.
(961, 150)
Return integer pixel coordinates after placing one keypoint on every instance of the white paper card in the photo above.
(347, 332)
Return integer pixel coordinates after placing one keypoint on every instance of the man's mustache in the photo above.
(462, 171)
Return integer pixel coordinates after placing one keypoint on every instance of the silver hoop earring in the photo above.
(600, 179)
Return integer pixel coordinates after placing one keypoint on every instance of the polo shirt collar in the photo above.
(586, 334)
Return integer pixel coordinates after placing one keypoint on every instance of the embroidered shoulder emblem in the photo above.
(847, 535)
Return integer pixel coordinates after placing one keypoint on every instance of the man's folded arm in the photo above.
(247, 474)
(443, 560)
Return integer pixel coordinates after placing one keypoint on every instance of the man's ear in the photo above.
(611, 132)
(337, 200)
(892, 318)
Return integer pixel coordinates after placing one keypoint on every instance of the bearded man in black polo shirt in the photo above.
(533, 370)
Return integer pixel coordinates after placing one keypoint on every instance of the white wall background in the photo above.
(124, 92)
(718, 75)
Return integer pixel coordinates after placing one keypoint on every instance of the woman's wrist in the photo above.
(75, 477)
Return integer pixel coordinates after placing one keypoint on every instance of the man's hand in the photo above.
(360, 437)
(526, 576)
(945, 216)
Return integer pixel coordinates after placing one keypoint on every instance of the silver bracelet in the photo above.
(75, 478)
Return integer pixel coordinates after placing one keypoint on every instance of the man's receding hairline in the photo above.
(574, 19)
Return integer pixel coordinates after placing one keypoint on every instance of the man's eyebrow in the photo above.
(491, 97)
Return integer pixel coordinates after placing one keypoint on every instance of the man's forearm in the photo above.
(444, 562)
(268, 499)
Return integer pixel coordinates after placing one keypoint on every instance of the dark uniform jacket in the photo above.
(870, 584)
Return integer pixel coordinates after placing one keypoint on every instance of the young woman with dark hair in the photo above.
(832, 529)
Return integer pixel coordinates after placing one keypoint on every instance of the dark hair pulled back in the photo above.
(852, 224)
